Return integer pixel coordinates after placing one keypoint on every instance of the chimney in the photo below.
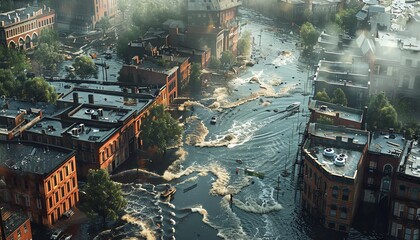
(91, 99)
(75, 98)
(2, 24)
(28, 15)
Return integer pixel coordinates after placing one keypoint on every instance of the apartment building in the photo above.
(82, 15)
(41, 180)
(15, 225)
(334, 158)
(21, 28)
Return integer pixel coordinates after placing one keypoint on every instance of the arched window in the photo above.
(12, 45)
(388, 169)
(28, 42)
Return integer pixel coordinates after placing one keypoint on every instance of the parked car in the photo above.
(56, 234)
(69, 213)
(66, 236)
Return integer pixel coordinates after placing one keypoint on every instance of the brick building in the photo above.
(339, 115)
(333, 162)
(16, 225)
(22, 27)
(41, 180)
(405, 203)
(212, 24)
(82, 15)
(102, 126)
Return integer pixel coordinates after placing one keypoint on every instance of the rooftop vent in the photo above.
(340, 159)
(328, 152)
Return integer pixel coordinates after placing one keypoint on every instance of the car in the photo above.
(66, 236)
(69, 213)
(70, 68)
(213, 120)
(56, 234)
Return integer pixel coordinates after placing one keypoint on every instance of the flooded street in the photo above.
(215, 198)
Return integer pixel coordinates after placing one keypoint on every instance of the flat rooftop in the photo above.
(352, 149)
(30, 158)
(12, 220)
(155, 67)
(20, 14)
(90, 133)
(331, 109)
(109, 100)
(387, 143)
(50, 127)
(413, 162)
(111, 115)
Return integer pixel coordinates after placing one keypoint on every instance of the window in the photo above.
(17, 198)
(345, 195)
(62, 191)
(331, 225)
(407, 235)
(333, 210)
(49, 186)
(416, 234)
(372, 165)
(27, 201)
(342, 228)
(388, 169)
(386, 184)
(68, 187)
(343, 212)
(38, 203)
(50, 201)
(410, 213)
(401, 210)
(25, 228)
(335, 192)
(370, 181)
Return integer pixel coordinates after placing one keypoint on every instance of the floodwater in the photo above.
(252, 126)
(215, 199)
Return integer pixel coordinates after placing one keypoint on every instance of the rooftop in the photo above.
(32, 158)
(332, 109)
(12, 220)
(387, 143)
(203, 5)
(47, 126)
(338, 140)
(20, 15)
(107, 99)
(110, 115)
(413, 161)
(90, 133)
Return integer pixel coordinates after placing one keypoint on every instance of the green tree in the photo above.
(9, 86)
(227, 59)
(159, 129)
(347, 20)
(381, 114)
(39, 90)
(214, 63)
(103, 24)
(322, 96)
(49, 37)
(244, 44)
(85, 67)
(47, 55)
(339, 97)
(104, 198)
(123, 6)
(15, 60)
(195, 80)
(309, 35)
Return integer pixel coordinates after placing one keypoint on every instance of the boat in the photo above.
(168, 192)
(293, 106)
(251, 172)
(213, 120)
(239, 161)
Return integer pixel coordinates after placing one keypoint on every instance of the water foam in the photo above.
(198, 133)
(252, 206)
(145, 231)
